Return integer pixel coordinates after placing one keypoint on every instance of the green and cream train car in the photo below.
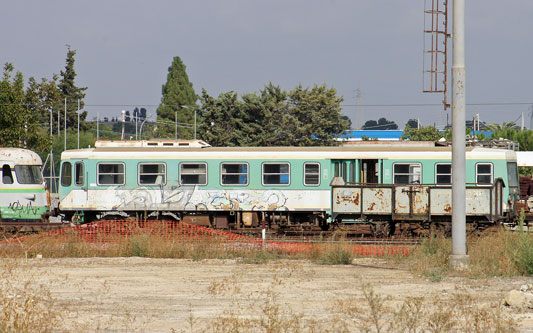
(284, 186)
(23, 195)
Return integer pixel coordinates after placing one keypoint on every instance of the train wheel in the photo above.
(380, 229)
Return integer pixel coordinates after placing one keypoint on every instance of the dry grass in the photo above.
(498, 252)
(368, 312)
(141, 243)
(26, 305)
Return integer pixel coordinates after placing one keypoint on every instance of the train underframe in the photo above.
(293, 221)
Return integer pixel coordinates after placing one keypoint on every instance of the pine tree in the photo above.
(72, 93)
(178, 97)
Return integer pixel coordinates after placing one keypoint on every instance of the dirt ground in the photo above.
(169, 295)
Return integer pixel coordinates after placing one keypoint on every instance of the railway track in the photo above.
(10, 229)
(361, 234)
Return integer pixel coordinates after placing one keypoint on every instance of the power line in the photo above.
(367, 105)
(439, 104)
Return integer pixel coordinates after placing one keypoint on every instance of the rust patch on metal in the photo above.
(347, 198)
(379, 194)
(448, 208)
(372, 206)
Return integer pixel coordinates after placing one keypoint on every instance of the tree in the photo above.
(43, 98)
(524, 138)
(370, 124)
(72, 93)
(318, 115)
(424, 133)
(381, 124)
(19, 126)
(222, 125)
(412, 123)
(273, 117)
(504, 126)
(177, 93)
(348, 120)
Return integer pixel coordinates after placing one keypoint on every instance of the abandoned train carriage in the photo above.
(241, 187)
(23, 196)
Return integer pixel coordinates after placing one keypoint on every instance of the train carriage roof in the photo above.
(20, 156)
(397, 150)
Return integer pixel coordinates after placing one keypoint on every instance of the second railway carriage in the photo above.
(283, 186)
(23, 196)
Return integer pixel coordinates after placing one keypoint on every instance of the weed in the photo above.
(336, 255)
(26, 305)
(458, 314)
(522, 249)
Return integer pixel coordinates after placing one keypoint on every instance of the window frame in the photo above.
(21, 170)
(180, 173)
(274, 163)
(63, 174)
(76, 173)
(491, 174)
(516, 181)
(443, 174)
(148, 173)
(319, 174)
(394, 173)
(235, 163)
(98, 173)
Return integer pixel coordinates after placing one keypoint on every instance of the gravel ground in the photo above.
(165, 295)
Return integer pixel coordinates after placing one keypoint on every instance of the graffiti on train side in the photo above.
(192, 198)
(22, 209)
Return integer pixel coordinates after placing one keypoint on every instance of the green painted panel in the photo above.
(22, 212)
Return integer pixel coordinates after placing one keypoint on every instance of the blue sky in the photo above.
(124, 49)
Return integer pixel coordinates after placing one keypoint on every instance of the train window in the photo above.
(7, 176)
(193, 173)
(234, 173)
(79, 174)
(28, 174)
(311, 174)
(484, 173)
(407, 173)
(276, 174)
(66, 174)
(111, 173)
(443, 173)
(512, 174)
(152, 174)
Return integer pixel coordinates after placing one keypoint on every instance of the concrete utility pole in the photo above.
(78, 124)
(97, 126)
(65, 123)
(459, 259)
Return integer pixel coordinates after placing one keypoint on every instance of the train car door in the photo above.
(369, 171)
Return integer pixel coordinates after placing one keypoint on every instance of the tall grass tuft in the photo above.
(338, 254)
(25, 305)
(497, 252)
(522, 249)
(431, 258)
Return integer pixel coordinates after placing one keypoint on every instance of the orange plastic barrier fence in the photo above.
(109, 231)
